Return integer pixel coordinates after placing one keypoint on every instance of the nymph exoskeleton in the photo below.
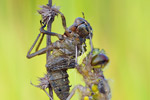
(64, 52)
(97, 87)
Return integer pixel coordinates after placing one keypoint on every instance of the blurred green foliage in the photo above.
(121, 27)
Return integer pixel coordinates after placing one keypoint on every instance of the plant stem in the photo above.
(48, 43)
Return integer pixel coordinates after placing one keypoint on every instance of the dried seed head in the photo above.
(44, 83)
(48, 13)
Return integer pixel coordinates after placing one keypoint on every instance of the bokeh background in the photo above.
(121, 27)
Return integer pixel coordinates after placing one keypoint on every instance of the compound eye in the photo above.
(82, 30)
(79, 21)
(99, 59)
(82, 22)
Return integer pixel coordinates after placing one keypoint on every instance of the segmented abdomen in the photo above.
(58, 77)
(60, 83)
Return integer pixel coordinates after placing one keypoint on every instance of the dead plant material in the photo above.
(48, 12)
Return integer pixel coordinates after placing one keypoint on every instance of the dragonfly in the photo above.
(64, 53)
(97, 87)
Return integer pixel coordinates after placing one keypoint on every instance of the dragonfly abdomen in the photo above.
(60, 83)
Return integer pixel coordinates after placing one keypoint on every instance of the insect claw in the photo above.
(41, 22)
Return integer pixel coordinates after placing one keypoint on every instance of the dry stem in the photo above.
(48, 43)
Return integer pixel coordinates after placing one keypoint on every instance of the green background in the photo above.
(121, 27)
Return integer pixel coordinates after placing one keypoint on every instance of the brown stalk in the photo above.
(48, 43)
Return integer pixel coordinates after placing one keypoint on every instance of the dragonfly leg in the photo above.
(80, 87)
(50, 33)
(55, 45)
